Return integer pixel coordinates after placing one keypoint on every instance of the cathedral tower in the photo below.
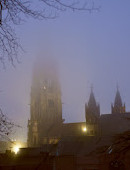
(45, 106)
(118, 107)
(92, 113)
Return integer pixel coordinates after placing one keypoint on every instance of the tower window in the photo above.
(50, 103)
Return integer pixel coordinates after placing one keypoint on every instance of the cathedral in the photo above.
(46, 125)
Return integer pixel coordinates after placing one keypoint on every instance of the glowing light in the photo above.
(16, 148)
(84, 129)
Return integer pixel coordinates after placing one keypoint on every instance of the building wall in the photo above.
(112, 124)
(45, 106)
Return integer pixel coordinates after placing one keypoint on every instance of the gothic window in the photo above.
(50, 103)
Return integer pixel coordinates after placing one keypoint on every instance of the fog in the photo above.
(87, 49)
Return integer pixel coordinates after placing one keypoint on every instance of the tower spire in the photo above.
(92, 101)
(92, 113)
(118, 107)
(118, 100)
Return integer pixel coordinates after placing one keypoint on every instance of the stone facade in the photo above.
(45, 107)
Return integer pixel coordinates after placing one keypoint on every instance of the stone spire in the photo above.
(118, 107)
(92, 101)
(92, 113)
(118, 100)
(92, 106)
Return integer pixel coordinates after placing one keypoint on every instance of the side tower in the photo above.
(45, 107)
(118, 107)
(92, 113)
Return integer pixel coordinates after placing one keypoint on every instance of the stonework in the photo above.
(46, 106)
(92, 113)
(118, 107)
(46, 125)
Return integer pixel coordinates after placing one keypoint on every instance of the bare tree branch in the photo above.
(12, 12)
(5, 125)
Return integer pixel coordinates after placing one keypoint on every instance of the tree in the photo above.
(6, 126)
(12, 12)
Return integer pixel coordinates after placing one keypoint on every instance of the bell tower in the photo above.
(46, 106)
(117, 107)
(92, 113)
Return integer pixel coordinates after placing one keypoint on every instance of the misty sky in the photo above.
(89, 48)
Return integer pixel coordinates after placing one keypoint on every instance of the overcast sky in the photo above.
(89, 48)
